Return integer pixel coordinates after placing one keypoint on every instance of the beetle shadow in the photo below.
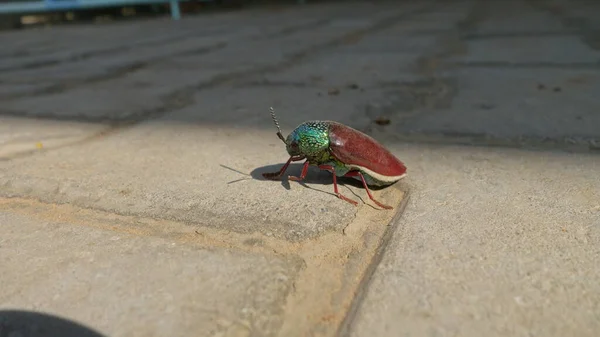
(313, 176)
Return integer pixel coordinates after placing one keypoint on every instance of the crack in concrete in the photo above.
(344, 328)
(501, 35)
(570, 144)
(530, 65)
(112, 74)
(93, 53)
(294, 29)
(269, 83)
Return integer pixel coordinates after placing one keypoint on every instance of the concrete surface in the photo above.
(76, 269)
(504, 242)
(20, 136)
(130, 172)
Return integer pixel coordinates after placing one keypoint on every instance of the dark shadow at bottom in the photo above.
(35, 324)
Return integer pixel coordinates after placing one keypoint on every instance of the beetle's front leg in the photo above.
(302, 175)
(277, 175)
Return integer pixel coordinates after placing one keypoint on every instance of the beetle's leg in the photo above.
(302, 175)
(277, 175)
(335, 187)
(357, 173)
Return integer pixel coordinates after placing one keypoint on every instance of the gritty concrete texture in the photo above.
(544, 103)
(183, 136)
(20, 136)
(499, 80)
(503, 242)
(184, 279)
(560, 49)
(130, 285)
(214, 171)
(200, 163)
(145, 153)
(173, 176)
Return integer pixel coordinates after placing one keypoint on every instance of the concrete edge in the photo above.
(344, 328)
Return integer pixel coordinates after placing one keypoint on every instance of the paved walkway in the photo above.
(131, 153)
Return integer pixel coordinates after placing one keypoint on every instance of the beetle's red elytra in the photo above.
(362, 152)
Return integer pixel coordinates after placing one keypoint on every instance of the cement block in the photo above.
(180, 166)
(191, 166)
(370, 71)
(506, 104)
(543, 49)
(130, 97)
(517, 17)
(503, 242)
(110, 60)
(123, 284)
(20, 136)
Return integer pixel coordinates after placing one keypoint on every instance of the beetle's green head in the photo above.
(308, 139)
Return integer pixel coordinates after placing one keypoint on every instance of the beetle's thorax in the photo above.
(309, 139)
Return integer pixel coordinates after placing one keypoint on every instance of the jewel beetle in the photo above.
(342, 150)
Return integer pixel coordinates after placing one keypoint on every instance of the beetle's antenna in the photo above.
(276, 124)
